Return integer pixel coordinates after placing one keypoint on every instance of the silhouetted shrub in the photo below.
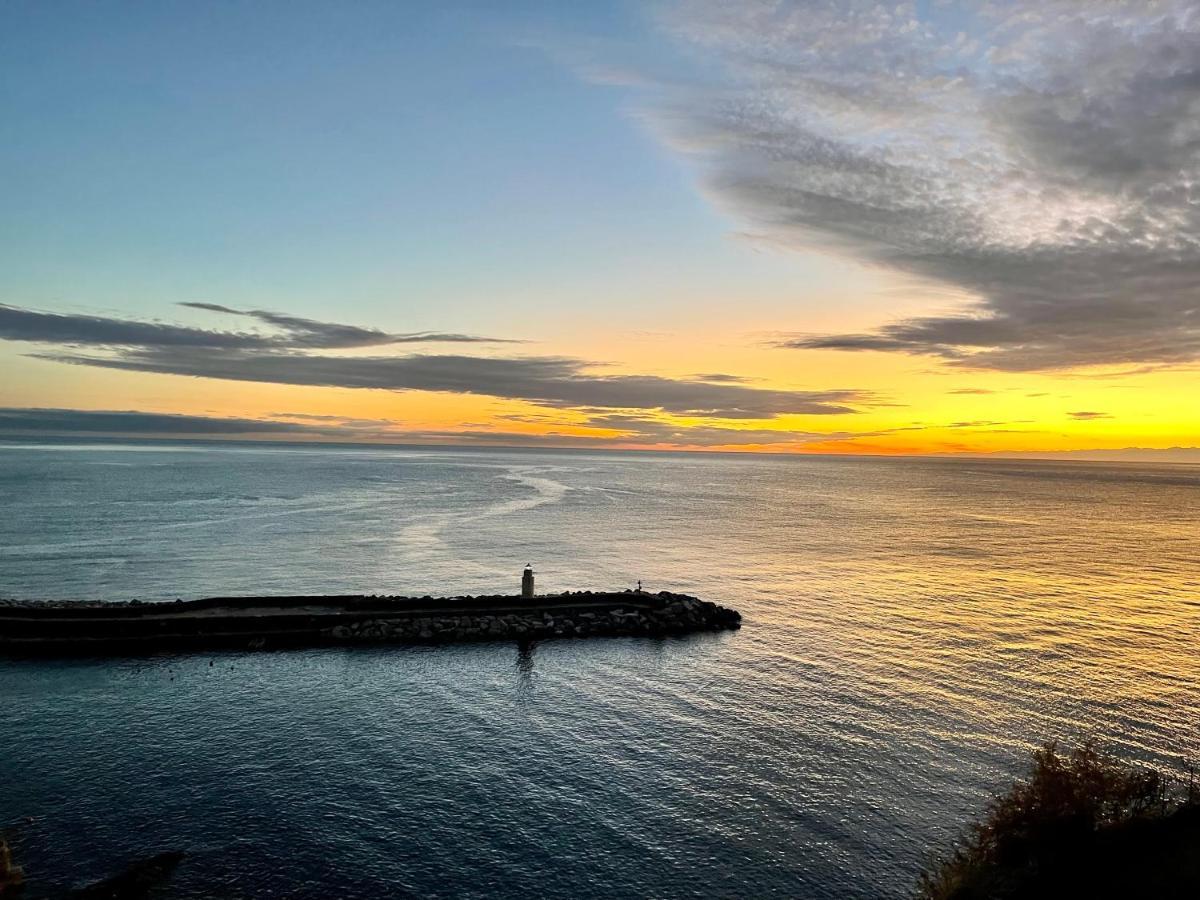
(1082, 824)
(12, 878)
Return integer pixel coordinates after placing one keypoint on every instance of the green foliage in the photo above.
(1081, 824)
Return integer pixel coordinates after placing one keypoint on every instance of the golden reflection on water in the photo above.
(1028, 600)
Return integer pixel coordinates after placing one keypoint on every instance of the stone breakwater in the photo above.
(279, 622)
(679, 615)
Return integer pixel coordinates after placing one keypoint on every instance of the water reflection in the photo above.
(525, 672)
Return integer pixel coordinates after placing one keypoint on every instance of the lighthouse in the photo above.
(527, 582)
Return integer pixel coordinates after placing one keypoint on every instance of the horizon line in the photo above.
(1155, 454)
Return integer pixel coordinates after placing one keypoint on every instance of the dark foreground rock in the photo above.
(136, 882)
(276, 622)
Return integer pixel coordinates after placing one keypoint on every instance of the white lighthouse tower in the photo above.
(527, 582)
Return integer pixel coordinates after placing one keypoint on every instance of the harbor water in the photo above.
(911, 628)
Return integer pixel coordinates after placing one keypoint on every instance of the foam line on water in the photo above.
(546, 491)
(62, 546)
(423, 537)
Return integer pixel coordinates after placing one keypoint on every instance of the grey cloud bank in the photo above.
(595, 431)
(1041, 158)
(289, 358)
(17, 324)
(301, 332)
(79, 421)
(17, 422)
(547, 380)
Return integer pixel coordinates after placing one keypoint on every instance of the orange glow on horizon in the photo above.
(910, 406)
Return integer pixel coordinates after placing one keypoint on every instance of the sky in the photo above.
(828, 227)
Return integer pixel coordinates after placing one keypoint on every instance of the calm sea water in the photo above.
(912, 627)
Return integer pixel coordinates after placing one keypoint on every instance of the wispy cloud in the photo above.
(301, 332)
(18, 324)
(1088, 414)
(721, 378)
(603, 429)
(624, 429)
(350, 422)
(1041, 158)
(291, 332)
(597, 431)
(547, 380)
(290, 358)
(80, 421)
(646, 430)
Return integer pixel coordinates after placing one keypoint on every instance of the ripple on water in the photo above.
(912, 627)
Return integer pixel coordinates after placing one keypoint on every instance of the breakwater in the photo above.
(279, 622)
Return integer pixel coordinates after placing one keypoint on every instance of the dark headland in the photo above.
(280, 622)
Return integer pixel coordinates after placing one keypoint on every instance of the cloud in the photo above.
(972, 391)
(720, 378)
(618, 429)
(289, 358)
(1088, 414)
(1040, 158)
(18, 324)
(292, 332)
(1189, 455)
(597, 431)
(340, 421)
(80, 421)
(641, 429)
(555, 381)
(301, 332)
(698, 437)
(610, 429)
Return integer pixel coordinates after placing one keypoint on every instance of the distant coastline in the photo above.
(1146, 455)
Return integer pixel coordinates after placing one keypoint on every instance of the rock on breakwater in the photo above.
(679, 615)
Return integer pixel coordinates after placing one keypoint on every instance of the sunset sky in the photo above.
(928, 227)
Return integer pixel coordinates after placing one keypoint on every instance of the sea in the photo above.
(912, 628)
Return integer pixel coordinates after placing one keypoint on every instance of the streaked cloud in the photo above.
(555, 381)
(291, 332)
(288, 358)
(339, 421)
(18, 324)
(301, 332)
(80, 421)
(600, 430)
(1040, 158)
(721, 378)
(642, 429)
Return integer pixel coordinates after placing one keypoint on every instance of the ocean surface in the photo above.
(912, 628)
